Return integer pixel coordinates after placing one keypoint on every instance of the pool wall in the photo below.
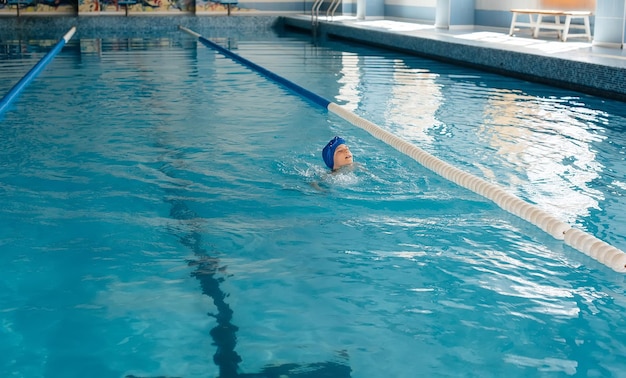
(126, 26)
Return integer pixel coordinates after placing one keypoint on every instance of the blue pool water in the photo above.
(159, 218)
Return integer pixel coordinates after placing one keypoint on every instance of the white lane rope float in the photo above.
(586, 243)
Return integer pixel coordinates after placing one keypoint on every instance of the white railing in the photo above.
(330, 12)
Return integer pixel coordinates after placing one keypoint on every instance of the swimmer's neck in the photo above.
(344, 168)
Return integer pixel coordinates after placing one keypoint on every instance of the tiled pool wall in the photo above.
(132, 26)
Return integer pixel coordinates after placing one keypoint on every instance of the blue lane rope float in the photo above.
(579, 240)
(37, 68)
(267, 73)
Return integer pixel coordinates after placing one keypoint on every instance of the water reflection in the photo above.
(409, 89)
(548, 145)
(349, 94)
(415, 88)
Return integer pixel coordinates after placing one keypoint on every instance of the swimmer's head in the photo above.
(336, 153)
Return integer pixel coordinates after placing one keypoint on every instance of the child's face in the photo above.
(343, 156)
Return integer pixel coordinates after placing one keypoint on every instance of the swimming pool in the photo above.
(159, 218)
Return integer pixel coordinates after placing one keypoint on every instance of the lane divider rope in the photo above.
(586, 243)
(33, 72)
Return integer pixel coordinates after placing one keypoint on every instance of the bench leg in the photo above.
(537, 26)
(531, 22)
(534, 24)
(513, 21)
(557, 21)
(568, 21)
(587, 28)
(567, 27)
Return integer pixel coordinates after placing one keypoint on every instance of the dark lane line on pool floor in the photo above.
(210, 272)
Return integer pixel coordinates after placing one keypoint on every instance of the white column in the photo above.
(610, 18)
(360, 9)
(442, 14)
(624, 24)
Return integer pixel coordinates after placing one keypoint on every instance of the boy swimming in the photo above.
(336, 154)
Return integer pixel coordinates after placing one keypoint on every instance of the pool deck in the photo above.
(576, 64)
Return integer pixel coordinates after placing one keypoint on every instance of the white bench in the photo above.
(536, 22)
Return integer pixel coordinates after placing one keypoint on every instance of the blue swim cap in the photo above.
(328, 153)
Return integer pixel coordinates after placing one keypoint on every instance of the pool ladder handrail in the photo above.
(330, 12)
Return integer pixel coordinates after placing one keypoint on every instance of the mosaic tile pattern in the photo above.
(129, 26)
